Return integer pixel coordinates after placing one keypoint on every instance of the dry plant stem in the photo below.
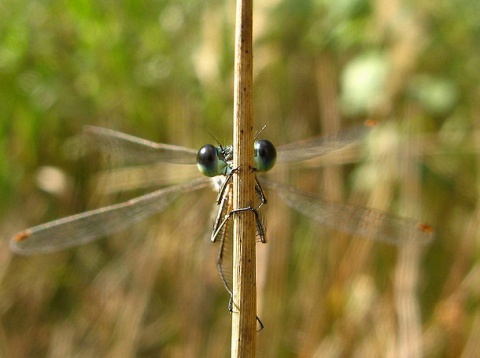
(244, 287)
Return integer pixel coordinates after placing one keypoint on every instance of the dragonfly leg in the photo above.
(231, 301)
(260, 324)
(219, 227)
(260, 231)
(226, 284)
(260, 193)
(260, 227)
(258, 223)
(219, 224)
(224, 186)
(258, 187)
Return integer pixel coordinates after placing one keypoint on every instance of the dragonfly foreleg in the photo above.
(226, 182)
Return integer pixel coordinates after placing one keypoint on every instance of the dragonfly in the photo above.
(216, 165)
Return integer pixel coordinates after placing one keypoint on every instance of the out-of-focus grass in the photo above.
(163, 71)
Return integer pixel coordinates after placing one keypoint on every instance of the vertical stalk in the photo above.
(244, 287)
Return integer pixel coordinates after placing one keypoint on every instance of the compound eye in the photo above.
(207, 160)
(265, 155)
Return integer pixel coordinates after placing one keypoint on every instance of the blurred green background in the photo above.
(162, 70)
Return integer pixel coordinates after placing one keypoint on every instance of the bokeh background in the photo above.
(162, 70)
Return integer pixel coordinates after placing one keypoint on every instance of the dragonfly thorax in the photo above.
(213, 161)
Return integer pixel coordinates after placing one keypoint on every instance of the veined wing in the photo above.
(88, 226)
(315, 147)
(361, 221)
(138, 150)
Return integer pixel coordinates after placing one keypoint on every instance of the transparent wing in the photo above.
(88, 226)
(355, 220)
(137, 150)
(315, 147)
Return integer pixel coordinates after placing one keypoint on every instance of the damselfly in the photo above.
(216, 163)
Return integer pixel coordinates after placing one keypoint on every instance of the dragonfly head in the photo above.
(213, 161)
